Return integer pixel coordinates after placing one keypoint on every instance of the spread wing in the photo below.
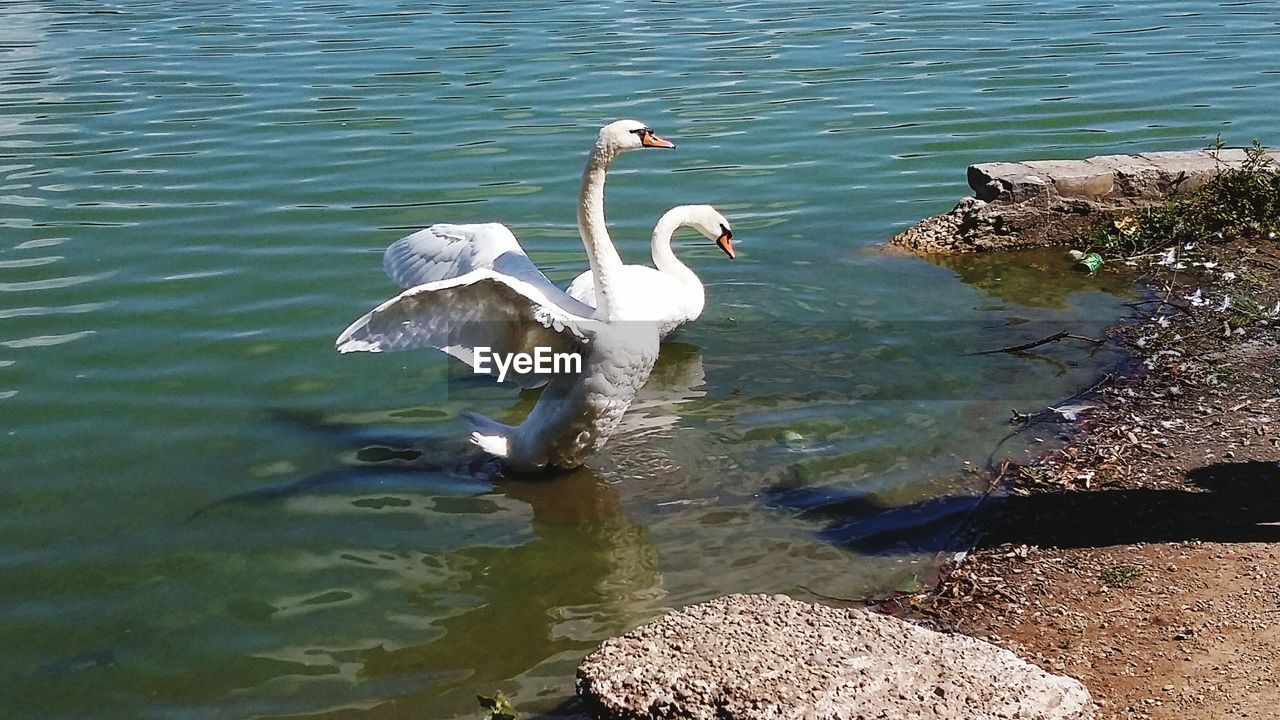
(445, 251)
(482, 308)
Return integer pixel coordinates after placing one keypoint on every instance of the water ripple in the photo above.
(45, 340)
(54, 283)
(44, 311)
(219, 181)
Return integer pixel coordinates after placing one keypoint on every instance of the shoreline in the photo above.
(1137, 564)
(1143, 557)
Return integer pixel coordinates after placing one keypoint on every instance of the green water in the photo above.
(206, 513)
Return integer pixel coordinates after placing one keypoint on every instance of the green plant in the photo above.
(497, 707)
(1245, 311)
(1122, 575)
(1033, 475)
(1237, 202)
(1106, 479)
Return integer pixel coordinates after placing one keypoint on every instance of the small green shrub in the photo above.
(1122, 575)
(497, 707)
(1240, 202)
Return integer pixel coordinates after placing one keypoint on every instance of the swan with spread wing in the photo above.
(473, 286)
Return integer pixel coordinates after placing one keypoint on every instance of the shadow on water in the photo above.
(552, 597)
(862, 522)
(381, 460)
(549, 599)
(514, 616)
(1234, 502)
(385, 458)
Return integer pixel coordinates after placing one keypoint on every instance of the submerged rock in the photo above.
(760, 656)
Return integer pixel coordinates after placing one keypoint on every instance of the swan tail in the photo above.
(490, 436)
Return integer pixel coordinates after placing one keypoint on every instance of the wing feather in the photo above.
(482, 308)
(445, 251)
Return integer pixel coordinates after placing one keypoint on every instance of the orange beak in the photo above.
(725, 242)
(649, 138)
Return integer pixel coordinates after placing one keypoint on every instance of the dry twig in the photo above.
(1064, 335)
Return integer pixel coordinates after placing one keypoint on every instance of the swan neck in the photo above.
(664, 258)
(605, 263)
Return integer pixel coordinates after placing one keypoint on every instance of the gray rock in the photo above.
(1011, 182)
(1187, 171)
(1136, 177)
(759, 656)
(1076, 178)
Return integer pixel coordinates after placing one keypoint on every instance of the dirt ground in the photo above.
(1144, 557)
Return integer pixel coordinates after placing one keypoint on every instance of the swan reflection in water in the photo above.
(515, 612)
(677, 378)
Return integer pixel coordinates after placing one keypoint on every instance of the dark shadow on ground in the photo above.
(1226, 502)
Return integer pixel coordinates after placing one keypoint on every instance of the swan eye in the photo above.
(726, 232)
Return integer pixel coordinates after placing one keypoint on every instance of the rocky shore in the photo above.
(1144, 557)
(1141, 559)
(1052, 202)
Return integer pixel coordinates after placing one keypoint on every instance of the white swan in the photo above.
(480, 289)
(675, 294)
(446, 251)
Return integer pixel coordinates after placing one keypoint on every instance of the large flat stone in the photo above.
(1135, 177)
(1075, 178)
(758, 656)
